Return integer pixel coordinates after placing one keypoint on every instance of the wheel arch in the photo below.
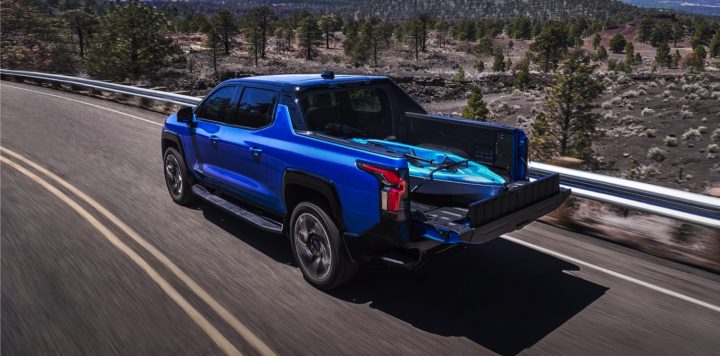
(299, 186)
(171, 139)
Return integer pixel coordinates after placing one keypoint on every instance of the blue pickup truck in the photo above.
(351, 168)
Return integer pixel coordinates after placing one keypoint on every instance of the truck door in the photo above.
(210, 117)
(242, 144)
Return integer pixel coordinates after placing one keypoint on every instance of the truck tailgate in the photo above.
(489, 218)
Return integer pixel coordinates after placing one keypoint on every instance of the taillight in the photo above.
(394, 186)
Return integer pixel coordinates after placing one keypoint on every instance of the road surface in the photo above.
(97, 259)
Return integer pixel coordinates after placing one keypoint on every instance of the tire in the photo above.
(179, 184)
(318, 247)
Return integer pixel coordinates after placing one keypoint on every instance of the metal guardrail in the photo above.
(673, 203)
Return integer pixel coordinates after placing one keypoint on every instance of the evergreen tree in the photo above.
(662, 55)
(129, 42)
(678, 32)
(214, 43)
(601, 54)
(676, 58)
(82, 24)
(308, 34)
(645, 29)
(629, 54)
(715, 45)
(569, 103)
(476, 108)
(696, 59)
(523, 75)
(661, 33)
(328, 24)
(459, 77)
(199, 23)
(499, 62)
(258, 25)
(543, 139)
(638, 58)
(480, 66)
(424, 23)
(596, 41)
(484, 46)
(617, 43)
(551, 45)
(224, 25)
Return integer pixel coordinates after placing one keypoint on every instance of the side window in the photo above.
(218, 107)
(256, 107)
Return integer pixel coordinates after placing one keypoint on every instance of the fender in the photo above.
(172, 137)
(318, 183)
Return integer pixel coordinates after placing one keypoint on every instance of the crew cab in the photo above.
(350, 168)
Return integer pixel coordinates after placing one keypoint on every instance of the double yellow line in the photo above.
(212, 332)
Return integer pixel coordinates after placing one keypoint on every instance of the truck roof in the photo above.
(304, 80)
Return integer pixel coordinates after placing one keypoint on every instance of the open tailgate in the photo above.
(489, 218)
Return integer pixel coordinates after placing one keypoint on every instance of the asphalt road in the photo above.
(70, 287)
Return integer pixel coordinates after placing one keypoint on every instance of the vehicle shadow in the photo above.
(501, 295)
(272, 245)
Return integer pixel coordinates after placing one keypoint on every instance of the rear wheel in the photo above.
(317, 247)
(176, 177)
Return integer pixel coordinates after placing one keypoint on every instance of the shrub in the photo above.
(691, 135)
(657, 154)
(647, 112)
(685, 114)
(670, 141)
(713, 148)
(703, 129)
(715, 136)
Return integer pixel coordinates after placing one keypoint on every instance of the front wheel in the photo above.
(317, 247)
(177, 180)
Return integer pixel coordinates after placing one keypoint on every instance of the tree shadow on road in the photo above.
(503, 296)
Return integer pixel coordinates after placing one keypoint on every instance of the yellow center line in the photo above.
(193, 313)
(238, 326)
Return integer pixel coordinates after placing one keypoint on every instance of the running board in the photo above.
(257, 220)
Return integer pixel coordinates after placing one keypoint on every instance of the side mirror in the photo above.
(185, 114)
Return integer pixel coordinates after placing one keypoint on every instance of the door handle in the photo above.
(255, 152)
(214, 139)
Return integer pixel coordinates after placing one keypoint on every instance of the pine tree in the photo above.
(645, 29)
(328, 24)
(480, 66)
(638, 58)
(543, 139)
(596, 41)
(459, 77)
(499, 62)
(82, 24)
(309, 35)
(629, 54)
(523, 75)
(715, 46)
(129, 42)
(476, 108)
(678, 32)
(484, 46)
(617, 43)
(257, 25)
(551, 45)
(676, 58)
(225, 25)
(601, 54)
(696, 59)
(662, 55)
(199, 22)
(214, 43)
(569, 103)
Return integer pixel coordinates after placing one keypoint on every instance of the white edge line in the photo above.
(85, 103)
(615, 274)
